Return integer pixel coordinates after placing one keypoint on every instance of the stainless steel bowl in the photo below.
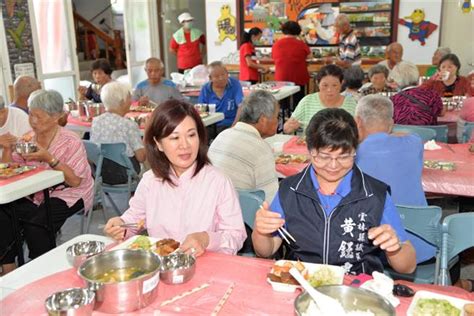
(26, 147)
(81, 251)
(126, 296)
(177, 268)
(351, 298)
(71, 302)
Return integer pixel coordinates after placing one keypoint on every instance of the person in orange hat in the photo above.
(186, 43)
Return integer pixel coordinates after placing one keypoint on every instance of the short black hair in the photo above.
(291, 28)
(330, 70)
(353, 77)
(247, 36)
(332, 128)
(102, 64)
(452, 58)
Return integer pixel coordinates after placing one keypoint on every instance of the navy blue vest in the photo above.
(341, 237)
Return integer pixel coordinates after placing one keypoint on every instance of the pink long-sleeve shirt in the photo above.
(206, 202)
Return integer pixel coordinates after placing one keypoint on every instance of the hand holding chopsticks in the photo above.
(269, 222)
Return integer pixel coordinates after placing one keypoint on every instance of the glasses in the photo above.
(324, 159)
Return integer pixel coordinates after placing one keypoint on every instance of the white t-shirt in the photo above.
(16, 124)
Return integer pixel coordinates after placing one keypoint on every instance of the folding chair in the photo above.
(250, 201)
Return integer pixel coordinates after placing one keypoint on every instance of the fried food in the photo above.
(166, 246)
(291, 158)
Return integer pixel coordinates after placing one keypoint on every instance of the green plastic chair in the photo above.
(117, 153)
(423, 221)
(467, 131)
(250, 202)
(458, 235)
(94, 156)
(425, 134)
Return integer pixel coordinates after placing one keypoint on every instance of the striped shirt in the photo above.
(349, 49)
(311, 104)
(69, 150)
(241, 154)
(416, 106)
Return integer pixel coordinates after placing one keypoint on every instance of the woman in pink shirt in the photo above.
(61, 150)
(183, 197)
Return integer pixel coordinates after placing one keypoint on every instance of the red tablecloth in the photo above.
(252, 295)
(457, 182)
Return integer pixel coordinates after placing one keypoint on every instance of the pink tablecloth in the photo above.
(252, 295)
(457, 182)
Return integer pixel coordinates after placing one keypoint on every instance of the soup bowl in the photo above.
(177, 268)
(81, 251)
(123, 280)
(70, 302)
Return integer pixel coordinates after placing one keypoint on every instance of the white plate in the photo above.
(312, 268)
(456, 302)
(126, 244)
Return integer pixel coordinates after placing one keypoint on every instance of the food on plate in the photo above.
(166, 246)
(120, 275)
(141, 108)
(440, 165)
(12, 169)
(323, 276)
(141, 242)
(434, 307)
(469, 309)
(281, 273)
(291, 158)
(301, 141)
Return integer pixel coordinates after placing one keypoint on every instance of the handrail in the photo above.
(114, 42)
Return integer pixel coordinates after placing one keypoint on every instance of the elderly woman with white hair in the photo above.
(414, 105)
(113, 127)
(58, 149)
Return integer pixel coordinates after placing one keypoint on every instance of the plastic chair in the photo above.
(94, 156)
(424, 222)
(117, 153)
(250, 201)
(457, 236)
(467, 131)
(425, 134)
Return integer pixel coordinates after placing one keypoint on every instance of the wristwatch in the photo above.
(53, 163)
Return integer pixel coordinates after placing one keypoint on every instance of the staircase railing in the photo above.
(113, 45)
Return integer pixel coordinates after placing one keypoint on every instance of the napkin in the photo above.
(431, 145)
(382, 285)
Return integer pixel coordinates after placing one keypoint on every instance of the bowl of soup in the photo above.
(124, 280)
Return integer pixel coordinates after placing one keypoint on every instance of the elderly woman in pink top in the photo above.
(61, 150)
(183, 197)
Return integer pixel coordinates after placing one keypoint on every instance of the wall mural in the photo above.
(16, 20)
(420, 29)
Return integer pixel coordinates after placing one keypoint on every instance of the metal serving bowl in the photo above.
(26, 147)
(122, 296)
(71, 302)
(177, 268)
(81, 251)
(351, 298)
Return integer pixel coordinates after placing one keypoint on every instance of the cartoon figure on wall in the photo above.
(226, 24)
(466, 6)
(419, 28)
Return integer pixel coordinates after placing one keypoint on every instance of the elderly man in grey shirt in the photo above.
(241, 151)
(155, 89)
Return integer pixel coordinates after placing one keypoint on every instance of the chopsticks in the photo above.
(449, 147)
(224, 299)
(285, 235)
(184, 294)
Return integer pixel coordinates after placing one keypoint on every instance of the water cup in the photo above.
(278, 147)
(445, 75)
(212, 108)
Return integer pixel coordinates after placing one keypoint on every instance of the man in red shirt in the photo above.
(186, 43)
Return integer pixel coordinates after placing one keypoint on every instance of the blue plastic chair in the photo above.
(467, 131)
(457, 236)
(423, 221)
(425, 134)
(94, 156)
(117, 153)
(250, 201)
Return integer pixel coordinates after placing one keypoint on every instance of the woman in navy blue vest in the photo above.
(337, 214)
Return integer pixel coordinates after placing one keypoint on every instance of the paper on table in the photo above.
(431, 145)
(382, 285)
